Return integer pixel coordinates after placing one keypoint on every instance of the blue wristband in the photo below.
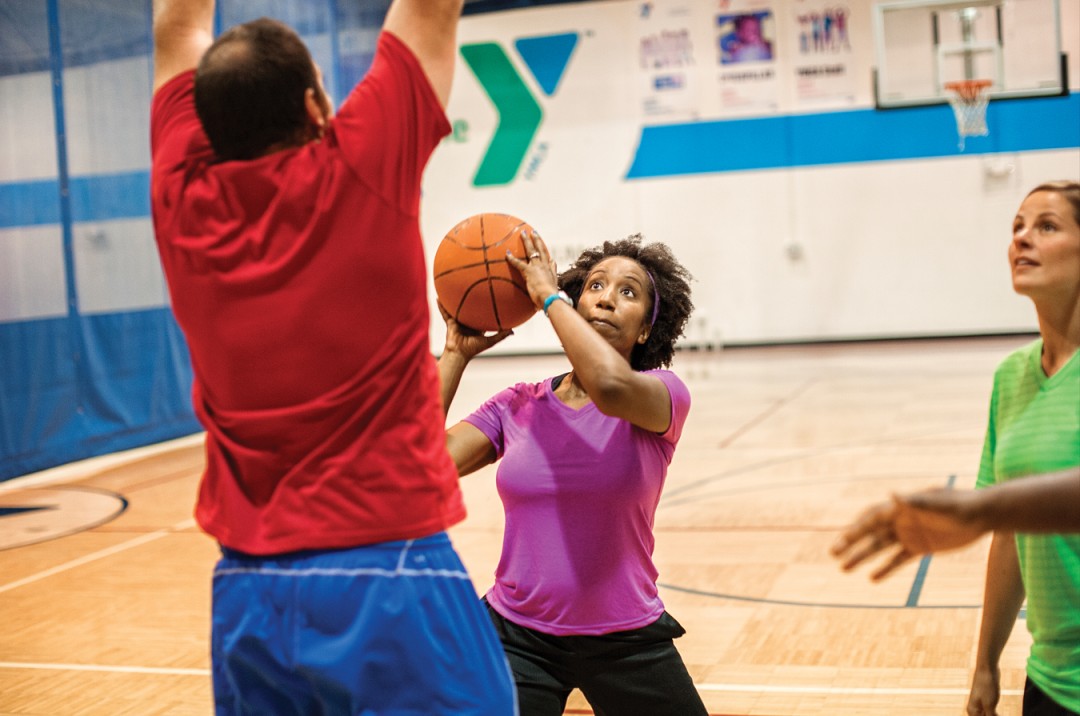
(557, 296)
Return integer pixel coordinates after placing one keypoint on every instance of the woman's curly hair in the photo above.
(672, 283)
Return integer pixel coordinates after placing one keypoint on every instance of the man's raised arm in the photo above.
(429, 29)
(183, 29)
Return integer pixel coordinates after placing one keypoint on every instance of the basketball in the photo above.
(474, 282)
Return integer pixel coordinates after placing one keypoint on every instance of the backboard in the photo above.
(921, 45)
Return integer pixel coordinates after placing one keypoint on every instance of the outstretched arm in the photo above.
(1041, 503)
(183, 29)
(936, 520)
(429, 29)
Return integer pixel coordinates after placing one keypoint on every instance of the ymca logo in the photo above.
(520, 114)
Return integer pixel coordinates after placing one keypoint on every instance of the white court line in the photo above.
(852, 690)
(109, 669)
(101, 553)
(747, 688)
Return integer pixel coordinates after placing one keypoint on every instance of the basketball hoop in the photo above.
(968, 99)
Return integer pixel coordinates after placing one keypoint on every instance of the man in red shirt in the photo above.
(290, 241)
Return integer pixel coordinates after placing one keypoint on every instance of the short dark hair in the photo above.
(672, 283)
(250, 86)
(1069, 189)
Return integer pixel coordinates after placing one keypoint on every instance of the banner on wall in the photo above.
(745, 50)
(823, 62)
(668, 59)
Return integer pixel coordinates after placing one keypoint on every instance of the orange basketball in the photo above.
(473, 280)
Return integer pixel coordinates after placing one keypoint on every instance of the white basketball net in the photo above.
(969, 102)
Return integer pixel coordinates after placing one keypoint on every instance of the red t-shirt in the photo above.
(299, 281)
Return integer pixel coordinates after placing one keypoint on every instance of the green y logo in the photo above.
(520, 114)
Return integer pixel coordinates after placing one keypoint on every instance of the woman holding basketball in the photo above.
(1034, 427)
(583, 461)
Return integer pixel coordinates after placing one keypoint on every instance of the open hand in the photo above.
(538, 268)
(872, 533)
(467, 342)
(916, 524)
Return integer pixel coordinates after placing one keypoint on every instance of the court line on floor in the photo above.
(764, 414)
(846, 690)
(101, 553)
(796, 603)
(676, 495)
(62, 516)
(166, 671)
(742, 688)
(924, 564)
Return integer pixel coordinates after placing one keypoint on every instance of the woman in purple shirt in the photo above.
(583, 461)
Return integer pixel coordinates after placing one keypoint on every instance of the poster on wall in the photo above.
(667, 59)
(824, 62)
(745, 51)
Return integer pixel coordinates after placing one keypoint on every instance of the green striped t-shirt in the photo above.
(1035, 428)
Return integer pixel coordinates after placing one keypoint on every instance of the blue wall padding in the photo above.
(132, 387)
(850, 137)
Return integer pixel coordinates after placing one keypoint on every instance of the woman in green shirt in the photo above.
(1034, 427)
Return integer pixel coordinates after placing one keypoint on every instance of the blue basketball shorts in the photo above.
(392, 629)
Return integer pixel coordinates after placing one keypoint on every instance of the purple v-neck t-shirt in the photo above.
(580, 491)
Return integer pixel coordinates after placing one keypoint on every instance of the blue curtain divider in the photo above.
(134, 388)
(88, 198)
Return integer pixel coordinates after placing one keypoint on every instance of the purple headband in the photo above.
(656, 298)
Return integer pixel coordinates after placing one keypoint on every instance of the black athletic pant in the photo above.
(1037, 703)
(628, 673)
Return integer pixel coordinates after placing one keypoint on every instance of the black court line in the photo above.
(674, 495)
(8, 511)
(924, 564)
(794, 603)
(760, 417)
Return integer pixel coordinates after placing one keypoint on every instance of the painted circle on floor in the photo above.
(38, 515)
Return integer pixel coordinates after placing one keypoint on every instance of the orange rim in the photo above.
(968, 90)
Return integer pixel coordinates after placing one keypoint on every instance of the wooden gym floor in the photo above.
(104, 577)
